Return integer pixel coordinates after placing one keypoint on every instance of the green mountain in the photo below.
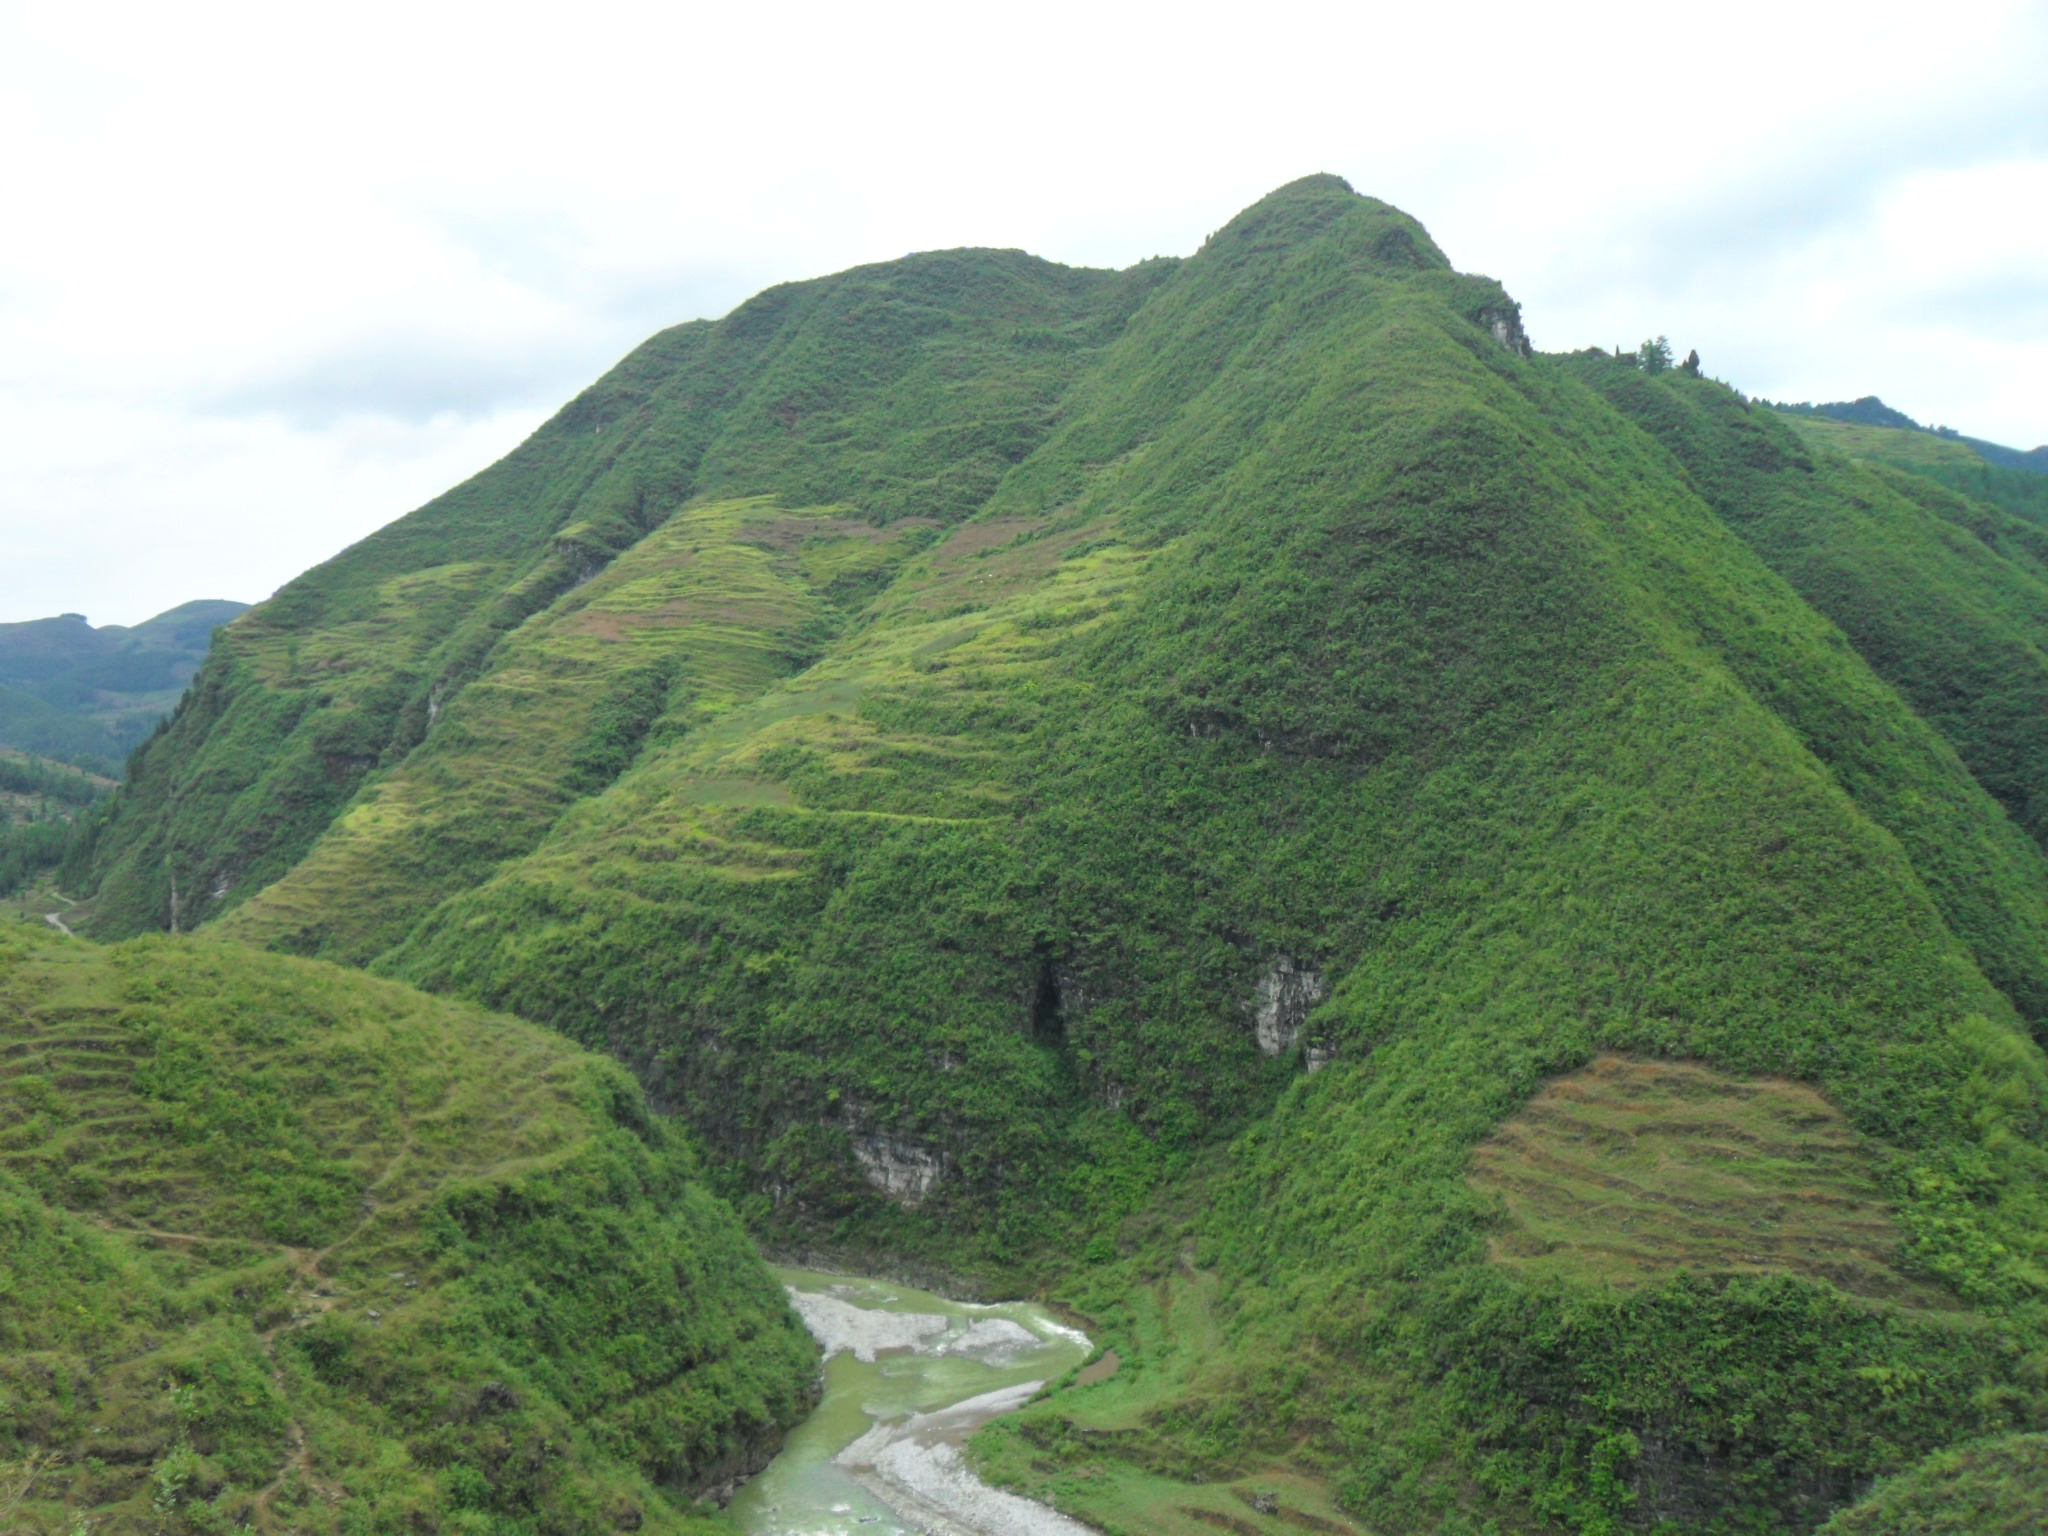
(1942, 596)
(1869, 429)
(1873, 412)
(40, 802)
(1482, 915)
(89, 696)
(282, 1247)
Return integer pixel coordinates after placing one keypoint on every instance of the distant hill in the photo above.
(1873, 412)
(1869, 411)
(1871, 431)
(2033, 460)
(90, 696)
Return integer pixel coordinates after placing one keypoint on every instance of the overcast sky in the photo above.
(273, 275)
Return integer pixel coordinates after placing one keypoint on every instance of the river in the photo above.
(908, 1377)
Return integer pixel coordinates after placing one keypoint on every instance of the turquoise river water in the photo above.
(908, 1377)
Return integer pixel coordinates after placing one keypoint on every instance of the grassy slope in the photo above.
(1947, 599)
(701, 615)
(285, 1247)
(1947, 461)
(1903, 446)
(1992, 1488)
(910, 386)
(1259, 655)
(1319, 625)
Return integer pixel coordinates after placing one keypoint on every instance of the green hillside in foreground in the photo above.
(285, 1248)
(1989, 1488)
(1481, 914)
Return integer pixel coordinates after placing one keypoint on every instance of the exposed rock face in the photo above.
(1506, 325)
(902, 1170)
(1056, 998)
(1285, 995)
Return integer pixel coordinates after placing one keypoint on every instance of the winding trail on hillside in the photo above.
(298, 1454)
(310, 1304)
(56, 919)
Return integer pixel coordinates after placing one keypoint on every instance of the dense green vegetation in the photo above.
(41, 802)
(1945, 598)
(88, 696)
(1150, 786)
(2024, 493)
(1990, 1488)
(28, 778)
(1951, 461)
(285, 1248)
(30, 848)
(913, 386)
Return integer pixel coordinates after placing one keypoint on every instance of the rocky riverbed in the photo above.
(908, 1377)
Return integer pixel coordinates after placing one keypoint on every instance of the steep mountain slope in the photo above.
(1221, 868)
(285, 1248)
(912, 385)
(1993, 1488)
(707, 611)
(1947, 599)
(2013, 482)
(88, 696)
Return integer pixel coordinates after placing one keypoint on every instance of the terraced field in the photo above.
(265, 1231)
(1130, 784)
(701, 617)
(1893, 445)
(1629, 1171)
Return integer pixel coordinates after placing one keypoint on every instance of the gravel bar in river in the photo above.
(908, 1377)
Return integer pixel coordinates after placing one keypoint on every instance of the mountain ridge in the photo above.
(87, 696)
(1870, 411)
(1130, 784)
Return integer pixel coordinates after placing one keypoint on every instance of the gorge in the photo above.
(1475, 919)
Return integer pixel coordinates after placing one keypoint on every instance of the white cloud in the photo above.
(137, 508)
(274, 275)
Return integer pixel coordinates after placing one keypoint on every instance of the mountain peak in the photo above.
(1321, 205)
(1229, 788)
